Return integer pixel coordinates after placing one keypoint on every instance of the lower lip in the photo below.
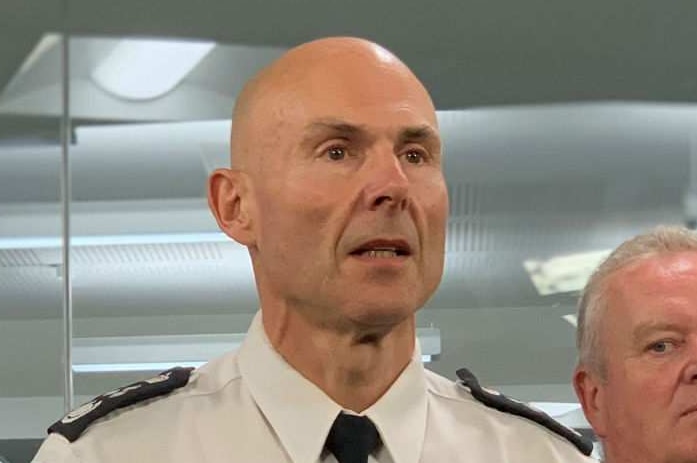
(392, 260)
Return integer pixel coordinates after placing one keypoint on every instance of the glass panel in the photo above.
(31, 326)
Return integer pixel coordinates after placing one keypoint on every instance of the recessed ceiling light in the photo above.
(146, 69)
(565, 273)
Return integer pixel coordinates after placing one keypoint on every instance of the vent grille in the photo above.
(466, 228)
(146, 253)
(19, 258)
(32, 279)
(465, 199)
(119, 254)
(522, 219)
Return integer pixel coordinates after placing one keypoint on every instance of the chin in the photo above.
(372, 314)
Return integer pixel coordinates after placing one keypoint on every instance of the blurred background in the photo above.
(568, 127)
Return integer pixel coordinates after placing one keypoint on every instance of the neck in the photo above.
(354, 366)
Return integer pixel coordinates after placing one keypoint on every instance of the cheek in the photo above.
(317, 194)
(657, 394)
(640, 393)
(293, 214)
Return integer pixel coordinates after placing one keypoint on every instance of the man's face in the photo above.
(649, 337)
(351, 205)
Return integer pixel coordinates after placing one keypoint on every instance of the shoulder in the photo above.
(146, 405)
(55, 449)
(72, 425)
(469, 398)
(103, 411)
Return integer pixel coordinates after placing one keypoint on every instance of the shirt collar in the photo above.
(292, 404)
(301, 414)
(400, 414)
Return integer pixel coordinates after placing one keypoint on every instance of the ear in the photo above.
(230, 202)
(590, 389)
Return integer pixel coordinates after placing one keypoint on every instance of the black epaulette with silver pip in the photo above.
(505, 404)
(74, 423)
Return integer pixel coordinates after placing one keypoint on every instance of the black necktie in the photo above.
(352, 438)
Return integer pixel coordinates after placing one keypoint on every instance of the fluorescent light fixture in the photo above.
(571, 319)
(146, 69)
(140, 353)
(429, 343)
(567, 413)
(124, 367)
(566, 273)
(158, 353)
(111, 240)
(556, 409)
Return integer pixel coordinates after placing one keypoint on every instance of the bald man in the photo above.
(337, 190)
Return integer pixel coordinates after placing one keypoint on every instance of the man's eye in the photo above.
(336, 153)
(414, 157)
(661, 347)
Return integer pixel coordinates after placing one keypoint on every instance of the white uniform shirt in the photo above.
(252, 406)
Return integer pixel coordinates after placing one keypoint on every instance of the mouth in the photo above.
(383, 249)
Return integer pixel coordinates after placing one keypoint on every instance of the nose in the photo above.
(388, 184)
(690, 371)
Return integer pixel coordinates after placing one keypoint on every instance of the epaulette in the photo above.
(74, 423)
(505, 404)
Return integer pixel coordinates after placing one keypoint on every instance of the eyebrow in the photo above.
(420, 133)
(334, 125)
(407, 134)
(643, 329)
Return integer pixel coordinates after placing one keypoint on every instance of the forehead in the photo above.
(663, 271)
(655, 287)
(360, 90)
